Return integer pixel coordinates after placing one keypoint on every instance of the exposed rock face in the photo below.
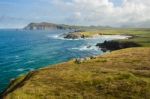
(74, 36)
(40, 26)
(115, 45)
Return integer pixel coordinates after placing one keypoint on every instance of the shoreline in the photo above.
(80, 60)
(132, 52)
(20, 81)
(86, 35)
(112, 41)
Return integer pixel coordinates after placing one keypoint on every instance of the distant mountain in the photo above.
(46, 26)
(144, 24)
(49, 26)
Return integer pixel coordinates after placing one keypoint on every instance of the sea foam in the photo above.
(86, 48)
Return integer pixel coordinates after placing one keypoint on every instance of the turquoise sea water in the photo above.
(22, 51)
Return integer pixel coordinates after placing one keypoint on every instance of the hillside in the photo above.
(122, 74)
(44, 26)
(49, 26)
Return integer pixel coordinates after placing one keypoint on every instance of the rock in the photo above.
(115, 45)
(87, 58)
(82, 36)
(93, 57)
(89, 46)
(75, 35)
(79, 60)
(104, 49)
(72, 36)
(79, 31)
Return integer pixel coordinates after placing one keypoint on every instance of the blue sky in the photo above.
(117, 2)
(18, 13)
(21, 12)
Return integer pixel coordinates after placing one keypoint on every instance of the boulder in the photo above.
(87, 58)
(79, 60)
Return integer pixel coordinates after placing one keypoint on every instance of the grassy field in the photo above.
(141, 36)
(122, 74)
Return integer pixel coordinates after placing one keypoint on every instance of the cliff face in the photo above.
(122, 74)
(75, 35)
(46, 26)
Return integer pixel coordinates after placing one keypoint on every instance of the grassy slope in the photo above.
(122, 74)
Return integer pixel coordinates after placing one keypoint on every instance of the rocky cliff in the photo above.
(46, 26)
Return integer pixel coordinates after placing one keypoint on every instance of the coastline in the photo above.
(102, 61)
(93, 36)
(112, 41)
(61, 70)
(90, 35)
(80, 60)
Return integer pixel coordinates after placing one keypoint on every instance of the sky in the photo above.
(115, 13)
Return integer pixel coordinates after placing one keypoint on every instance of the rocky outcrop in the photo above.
(81, 60)
(115, 45)
(74, 35)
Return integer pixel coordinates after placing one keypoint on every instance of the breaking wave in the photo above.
(86, 48)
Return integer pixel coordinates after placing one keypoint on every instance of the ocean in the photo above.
(22, 51)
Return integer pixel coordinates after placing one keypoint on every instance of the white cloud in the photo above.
(81, 12)
(104, 12)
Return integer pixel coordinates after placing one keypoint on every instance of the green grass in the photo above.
(141, 36)
(122, 74)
